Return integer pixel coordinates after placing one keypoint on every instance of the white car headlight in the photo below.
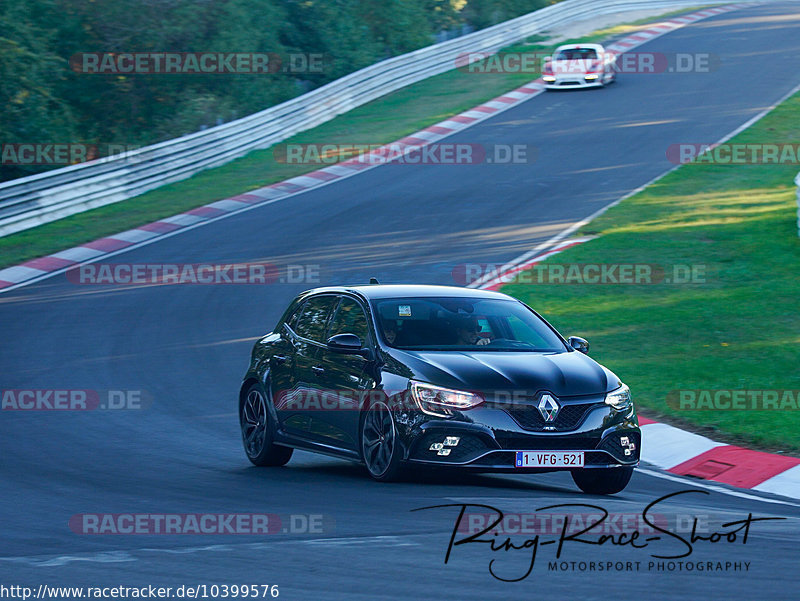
(620, 399)
(438, 401)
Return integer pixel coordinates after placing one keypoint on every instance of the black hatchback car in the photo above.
(401, 375)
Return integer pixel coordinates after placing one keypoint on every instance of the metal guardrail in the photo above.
(38, 199)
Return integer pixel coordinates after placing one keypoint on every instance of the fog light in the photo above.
(440, 447)
(628, 446)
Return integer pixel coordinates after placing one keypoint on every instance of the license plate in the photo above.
(549, 459)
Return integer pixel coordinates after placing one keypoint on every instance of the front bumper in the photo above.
(491, 434)
(565, 82)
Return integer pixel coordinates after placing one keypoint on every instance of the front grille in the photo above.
(497, 459)
(596, 458)
(569, 416)
(545, 443)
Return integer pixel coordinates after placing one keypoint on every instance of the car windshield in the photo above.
(473, 324)
(576, 54)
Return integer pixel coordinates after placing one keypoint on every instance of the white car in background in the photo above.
(579, 66)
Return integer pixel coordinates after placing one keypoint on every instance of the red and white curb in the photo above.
(687, 454)
(44, 267)
(509, 274)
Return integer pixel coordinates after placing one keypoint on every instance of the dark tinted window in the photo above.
(291, 321)
(314, 317)
(475, 324)
(576, 54)
(349, 319)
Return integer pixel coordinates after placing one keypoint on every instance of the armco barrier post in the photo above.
(797, 183)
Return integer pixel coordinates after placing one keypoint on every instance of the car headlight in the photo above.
(440, 401)
(620, 399)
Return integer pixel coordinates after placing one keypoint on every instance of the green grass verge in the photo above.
(379, 122)
(738, 330)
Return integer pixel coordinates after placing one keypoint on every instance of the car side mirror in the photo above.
(347, 344)
(579, 344)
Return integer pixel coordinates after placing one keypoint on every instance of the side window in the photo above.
(291, 321)
(314, 317)
(350, 319)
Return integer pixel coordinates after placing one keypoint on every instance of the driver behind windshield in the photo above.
(467, 332)
(389, 330)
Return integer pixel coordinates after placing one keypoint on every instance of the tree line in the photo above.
(49, 97)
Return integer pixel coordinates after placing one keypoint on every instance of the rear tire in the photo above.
(601, 481)
(257, 432)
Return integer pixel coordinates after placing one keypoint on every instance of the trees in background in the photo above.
(45, 101)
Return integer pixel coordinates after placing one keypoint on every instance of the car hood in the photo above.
(563, 374)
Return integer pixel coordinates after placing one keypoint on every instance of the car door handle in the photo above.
(279, 359)
(318, 370)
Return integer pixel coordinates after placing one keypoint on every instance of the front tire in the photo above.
(379, 445)
(602, 481)
(256, 431)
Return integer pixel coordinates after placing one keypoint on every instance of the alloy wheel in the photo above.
(254, 423)
(378, 439)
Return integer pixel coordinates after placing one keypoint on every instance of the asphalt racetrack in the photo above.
(188, 346)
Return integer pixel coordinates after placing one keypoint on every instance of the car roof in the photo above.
(598, 47)
(384, 291)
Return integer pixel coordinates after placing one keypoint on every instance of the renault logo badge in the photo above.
(548, 407)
